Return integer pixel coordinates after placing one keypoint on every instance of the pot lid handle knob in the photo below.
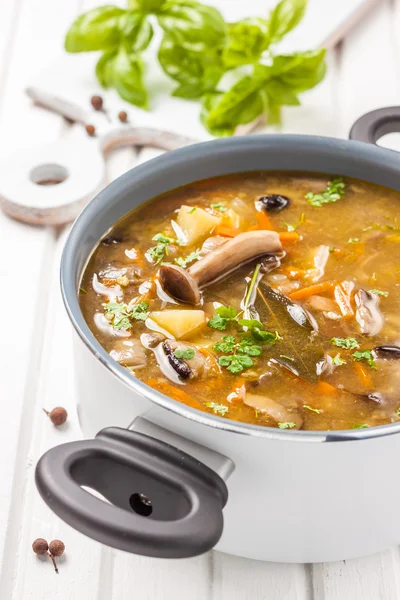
(159, 501)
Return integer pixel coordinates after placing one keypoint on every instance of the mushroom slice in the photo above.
(129, 353)
(368, 314)
(273, 409)
(185, 285)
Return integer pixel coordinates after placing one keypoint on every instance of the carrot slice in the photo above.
(342, 295)
(294, 272)
(363, 375)
(318, 288)
(289, 236)
(173, 392)
(326, 388)
(264, 221)
(226, 231)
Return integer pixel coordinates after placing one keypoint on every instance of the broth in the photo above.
(303, 337)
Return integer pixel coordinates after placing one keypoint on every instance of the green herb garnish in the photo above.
(183, 262)
(335, 190)
(346, 343)
(315, 410)
(354, 240)
(187, 353)
(192, 211)
(379, 293)
(219, 207)
(224, 315)
(197, 48)
(237, 354)
(302, 220)
(138, 311)
(286, 425)
(122, 313)
(287, 357)
(365, 355)
(338, 360)
(82, 290)
(360, 426)
(219, 409)
(156, 253)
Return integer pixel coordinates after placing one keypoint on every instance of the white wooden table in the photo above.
(35, 346)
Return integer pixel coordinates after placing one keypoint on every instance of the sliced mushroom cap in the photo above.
(368, 314)
(273, 409)
(185, 284)
(129, 353)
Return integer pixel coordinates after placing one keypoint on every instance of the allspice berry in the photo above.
(40, 546)
(123, 116)
(90, 130)
(57, 548)
(97, 102)
(57, 416)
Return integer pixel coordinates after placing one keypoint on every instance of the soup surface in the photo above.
(271, 298)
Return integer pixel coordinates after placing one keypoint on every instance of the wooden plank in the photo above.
(243, 579)
(27, 257)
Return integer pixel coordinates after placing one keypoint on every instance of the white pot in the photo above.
(293, 496)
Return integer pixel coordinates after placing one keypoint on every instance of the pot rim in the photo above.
(377, 156)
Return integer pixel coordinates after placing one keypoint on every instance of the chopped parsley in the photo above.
(186, 353)
(237, 354)
(365, 355)
(346, 343)
(156, 253)
(335, 190)
(183, 262)
(122, 313)
(192, 211)
(332, 249)
(354, 240)
(139, 311)
(219, 207)
(286, 357)
(379, 293)
(286, 425)
(256, 328)
(398, 412)
(223, 316)
(315, 410)
(360, 426)
(338, 360)
(302, 220)
(219, 409)
(82, 290)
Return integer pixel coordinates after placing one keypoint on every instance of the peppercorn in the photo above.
(40, 546)
(97, 102)
(57, 548)
(90, 130)
(58, 415)
(123, 116)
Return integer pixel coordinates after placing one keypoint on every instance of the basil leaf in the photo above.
(279, 94)
(146, 6)
(192, 25)
(197, 73)
(104, 69)
(243, 103)
(285, 17)
(209, 102)
(128, 78)
(297, 72)
(97, 29)
(137, 32)
(247, 40)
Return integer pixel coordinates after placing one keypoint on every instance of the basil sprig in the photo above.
(197, 50)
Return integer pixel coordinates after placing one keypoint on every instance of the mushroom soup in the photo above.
(271, 298)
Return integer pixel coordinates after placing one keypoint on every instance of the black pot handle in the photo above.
(160, 501)
(373, 125)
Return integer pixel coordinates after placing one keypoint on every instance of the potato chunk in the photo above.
(180, 323)
(196, 223)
